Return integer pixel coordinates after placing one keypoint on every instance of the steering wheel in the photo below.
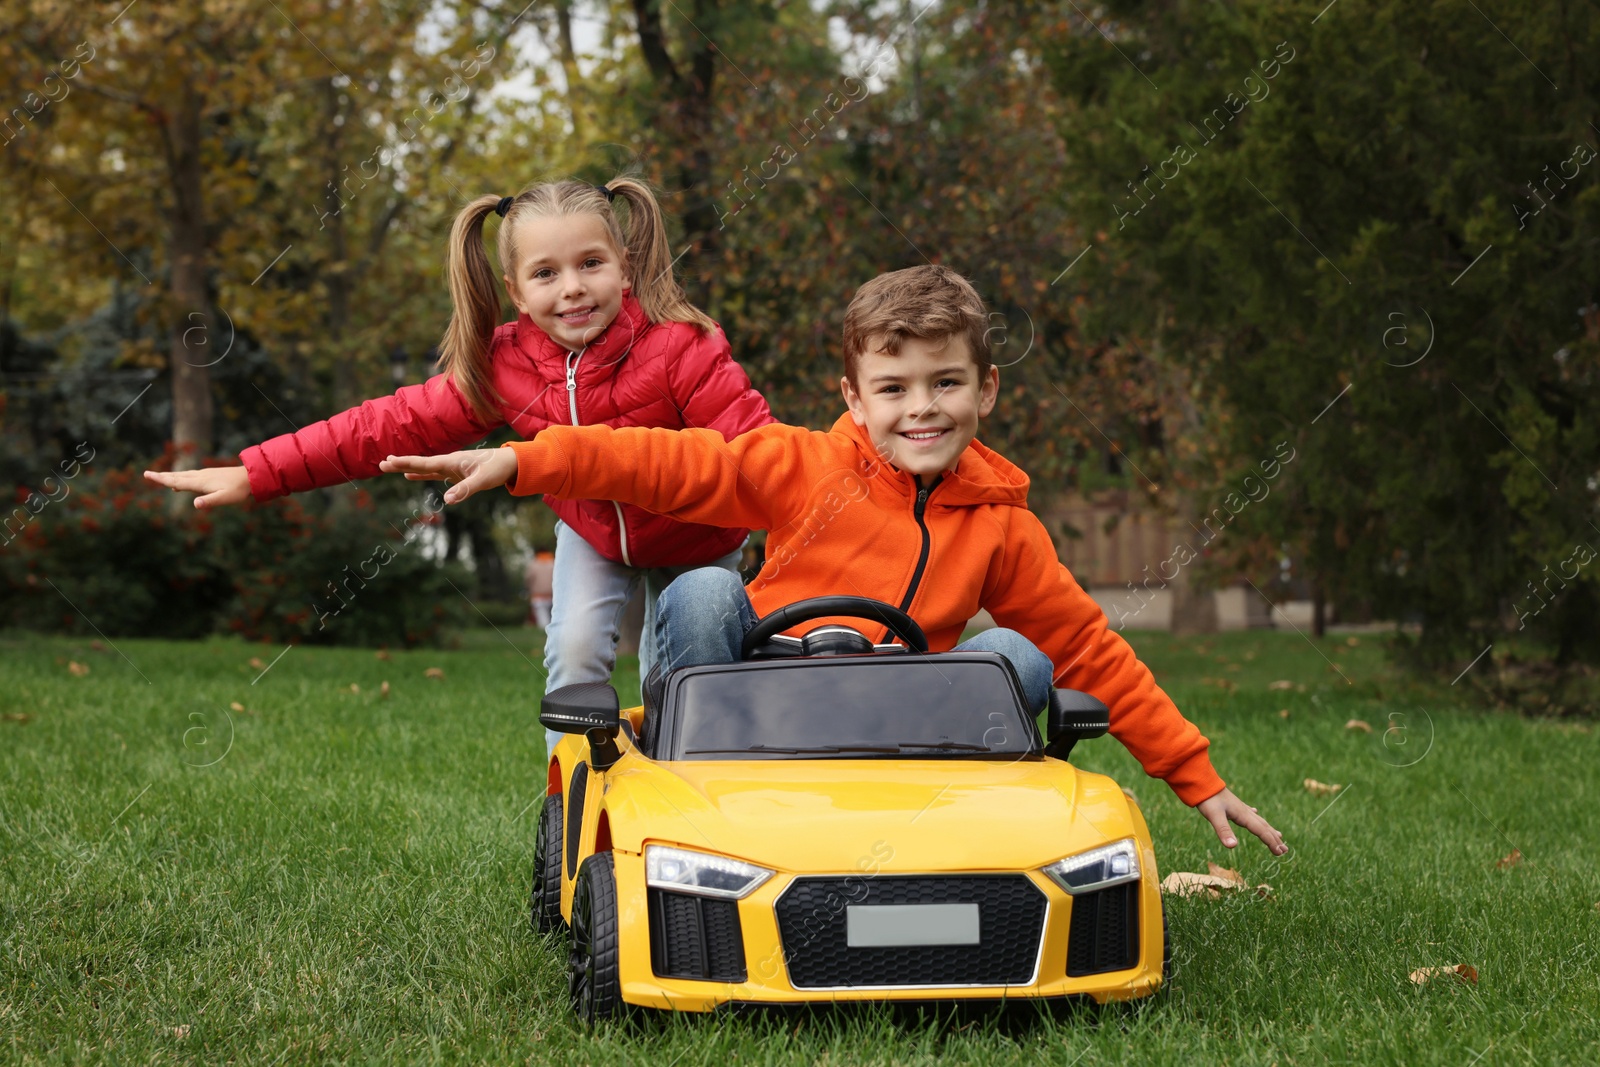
(900, 624)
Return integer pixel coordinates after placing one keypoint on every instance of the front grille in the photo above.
(812, 922)
(1105, 931)
(694, 937)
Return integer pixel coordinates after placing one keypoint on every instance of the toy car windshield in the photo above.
(872, 707)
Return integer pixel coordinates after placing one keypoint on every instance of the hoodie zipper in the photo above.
(927, 542)
(572, 406)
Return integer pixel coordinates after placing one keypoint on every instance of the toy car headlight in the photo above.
(1098, 868)
(701, 874)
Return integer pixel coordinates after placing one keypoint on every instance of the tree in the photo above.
(1368, 233)
(190, 142)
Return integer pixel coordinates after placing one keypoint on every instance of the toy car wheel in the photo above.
(545, 905)
(592, 984)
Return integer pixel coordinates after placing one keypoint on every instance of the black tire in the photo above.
(592, 983)
(545, 903)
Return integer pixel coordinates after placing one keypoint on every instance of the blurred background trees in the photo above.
(1362, 232)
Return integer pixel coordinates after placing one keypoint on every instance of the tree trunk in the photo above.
(700, 213)
(193, 341)
(1194, 610)
(337, 276)
(688, 106)
(569, 68)
(493, 582)
(1319, 609)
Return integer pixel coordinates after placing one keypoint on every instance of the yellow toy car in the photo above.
(830, 820)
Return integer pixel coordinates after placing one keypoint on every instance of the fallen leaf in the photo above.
(354, 688)
(1464, 971)
(256, 664)
(1352, 641)
(382, 653)
(1359, 724)
(434, 672)
(236, 706)
(383, 691)
(181, 1032)
(1220, 880)
(97, 646)
(1281, 685)
(1511, 860)
(22, 718)
(1188, 884)
(1321, 789)
(1218, 871)
(1283, 713)
(78, 669)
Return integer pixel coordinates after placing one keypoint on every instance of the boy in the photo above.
(897, 502)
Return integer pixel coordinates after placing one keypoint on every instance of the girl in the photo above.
(603, 334)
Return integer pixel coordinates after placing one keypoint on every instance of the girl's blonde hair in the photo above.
(475, 291)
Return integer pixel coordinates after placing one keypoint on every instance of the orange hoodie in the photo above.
(841, 520)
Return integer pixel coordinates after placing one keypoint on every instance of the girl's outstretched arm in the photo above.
(425, 419)
(216, 486)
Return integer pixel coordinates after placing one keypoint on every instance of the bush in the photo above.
(100, 552)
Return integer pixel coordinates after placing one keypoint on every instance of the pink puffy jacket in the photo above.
(636, 373)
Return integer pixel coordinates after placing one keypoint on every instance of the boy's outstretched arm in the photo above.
(1224, 807)
(1037, 596)
(465, 472)
(760, 479)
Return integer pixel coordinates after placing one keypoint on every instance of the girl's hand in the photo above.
(481, 468)
(1225, 807)
(216, 485)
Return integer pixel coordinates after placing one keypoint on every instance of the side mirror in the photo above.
(1073, 717)
(589, 708)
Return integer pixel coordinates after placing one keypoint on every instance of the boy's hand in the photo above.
(481, 468)
(1225, 807)
(216, 485)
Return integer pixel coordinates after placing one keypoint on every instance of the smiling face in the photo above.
(569, 276)
(921, 407)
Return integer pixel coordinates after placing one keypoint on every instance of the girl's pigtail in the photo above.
(475, 300)
(650, 259)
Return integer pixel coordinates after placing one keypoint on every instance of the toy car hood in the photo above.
(826, 815)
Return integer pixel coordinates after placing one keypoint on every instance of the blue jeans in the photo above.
(588, 595)
(703, 616)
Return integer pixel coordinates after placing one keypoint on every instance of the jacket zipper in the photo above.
(572, 406)
(927, 542)
(572, 384)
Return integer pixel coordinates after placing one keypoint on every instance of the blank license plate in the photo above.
(889, 925)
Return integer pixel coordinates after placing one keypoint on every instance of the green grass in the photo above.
(342, 876)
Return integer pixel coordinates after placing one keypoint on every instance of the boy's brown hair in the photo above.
(928, 302)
